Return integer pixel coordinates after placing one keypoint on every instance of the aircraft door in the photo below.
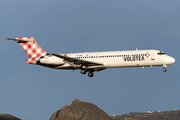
(152, 57)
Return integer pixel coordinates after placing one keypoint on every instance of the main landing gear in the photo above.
(90, 74)
(83, 71)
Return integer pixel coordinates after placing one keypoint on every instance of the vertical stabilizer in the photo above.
(31, 47)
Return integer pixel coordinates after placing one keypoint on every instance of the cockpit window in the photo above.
(161, 53)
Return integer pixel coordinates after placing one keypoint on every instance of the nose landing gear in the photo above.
(164, 69)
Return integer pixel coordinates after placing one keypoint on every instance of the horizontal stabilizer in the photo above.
(19, 39)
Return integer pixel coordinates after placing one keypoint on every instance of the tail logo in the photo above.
(32, 48)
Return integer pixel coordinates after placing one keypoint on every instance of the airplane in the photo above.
(92, 61)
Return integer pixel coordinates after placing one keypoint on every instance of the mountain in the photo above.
(7, 116)
(87, 111)
(80, 111)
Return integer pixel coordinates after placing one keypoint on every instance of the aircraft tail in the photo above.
(31, 47)
(33, 50)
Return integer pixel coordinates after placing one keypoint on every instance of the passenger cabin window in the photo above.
(161, 53)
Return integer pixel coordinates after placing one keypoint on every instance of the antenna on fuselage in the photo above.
(136, 49)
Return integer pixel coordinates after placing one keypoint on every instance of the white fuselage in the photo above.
(114, 59)
(92, 61)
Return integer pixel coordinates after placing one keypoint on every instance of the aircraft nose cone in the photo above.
(171, 60)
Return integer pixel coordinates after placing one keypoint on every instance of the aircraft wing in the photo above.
(77, 61)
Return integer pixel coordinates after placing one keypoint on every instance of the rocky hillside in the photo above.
(80, 111)
(8, 117)
(87, 111)
(150, 115)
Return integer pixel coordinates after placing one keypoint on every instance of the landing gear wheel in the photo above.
(164, 69)
(83, 71)
(90, 74)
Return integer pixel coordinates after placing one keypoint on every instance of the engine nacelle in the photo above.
(50, 60)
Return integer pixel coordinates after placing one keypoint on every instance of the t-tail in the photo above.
(30, 46)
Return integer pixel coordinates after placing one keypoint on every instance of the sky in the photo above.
(34, 92)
